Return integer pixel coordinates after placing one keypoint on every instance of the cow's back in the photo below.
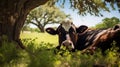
(88, 38)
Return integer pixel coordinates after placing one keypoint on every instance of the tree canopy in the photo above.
(43, 15)
(93, 7)
(108, 23)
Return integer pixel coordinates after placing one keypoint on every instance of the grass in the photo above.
(41, 37)
(36, 54)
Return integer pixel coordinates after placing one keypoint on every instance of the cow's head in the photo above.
(67, 33)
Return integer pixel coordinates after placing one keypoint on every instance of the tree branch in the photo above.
(39, 24)
(30, 4)
(34, 23)
(49, 18)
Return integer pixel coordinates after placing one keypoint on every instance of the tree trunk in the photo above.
(11, 25)
(12, 17)
(41, 28)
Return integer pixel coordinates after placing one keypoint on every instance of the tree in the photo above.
(108, 23)
(93, 7)
(26, 28)
(44, 15)
(14, 12)
(12, 17)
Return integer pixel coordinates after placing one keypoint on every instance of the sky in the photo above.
(88, 20)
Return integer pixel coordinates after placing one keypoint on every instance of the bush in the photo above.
(42, 55)
(9, 54)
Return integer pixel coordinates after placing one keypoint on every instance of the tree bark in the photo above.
(12, 17)
(41, 28)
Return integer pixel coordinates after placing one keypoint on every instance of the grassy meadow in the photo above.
(41, 37)
(40, 52)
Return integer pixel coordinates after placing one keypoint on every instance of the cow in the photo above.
(83, 38)
(101, 38)
(67, 34)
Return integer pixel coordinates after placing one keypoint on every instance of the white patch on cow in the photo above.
(104, 31)
(86, 44)
(67, 37)
(100, 34)
(66, 25)
(89, 37)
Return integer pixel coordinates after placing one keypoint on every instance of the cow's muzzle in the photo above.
(68, 44)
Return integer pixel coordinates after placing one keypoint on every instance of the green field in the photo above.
(40, 52)
(41, 37)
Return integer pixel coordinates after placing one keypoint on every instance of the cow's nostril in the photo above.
(63, 44)
(68, 44)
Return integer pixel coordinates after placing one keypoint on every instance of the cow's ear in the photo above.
(116, 27)
(81, 29)
(51, 31)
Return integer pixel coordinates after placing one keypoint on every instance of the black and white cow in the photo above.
(67, 34)
(84, 38)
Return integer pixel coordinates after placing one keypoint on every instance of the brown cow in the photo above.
(99, 38)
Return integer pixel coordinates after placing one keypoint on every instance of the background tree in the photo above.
(14, 12)
(44, 15)
(108, 23)
(26, 28)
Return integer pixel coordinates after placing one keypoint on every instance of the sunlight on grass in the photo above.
(41, 37)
